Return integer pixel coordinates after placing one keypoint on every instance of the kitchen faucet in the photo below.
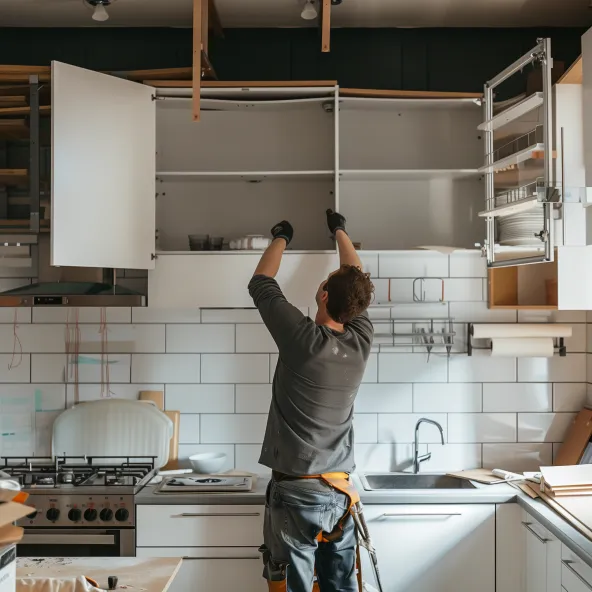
(419, 459)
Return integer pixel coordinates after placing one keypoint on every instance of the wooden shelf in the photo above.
(13, 176)
(13, 101)
(15, 226)
(406, 174)
(244, 175)
(13, 129)
(11, 74)
(6, 111)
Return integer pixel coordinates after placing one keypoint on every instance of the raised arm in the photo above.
(269, 264)
(347, 254)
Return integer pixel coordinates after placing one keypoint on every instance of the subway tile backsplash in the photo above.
(216, 367)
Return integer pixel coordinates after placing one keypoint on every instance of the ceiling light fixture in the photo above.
(99, 8)
(309, 12)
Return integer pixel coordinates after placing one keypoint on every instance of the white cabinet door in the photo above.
(510, 549)
(536, 559)
(424, 548)
(576, 576)
(213, 569)
(221, 280)
(103, 170)
(574, 278)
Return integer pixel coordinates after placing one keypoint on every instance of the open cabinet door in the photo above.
(519, 169)
(574, 278)
(103, 170)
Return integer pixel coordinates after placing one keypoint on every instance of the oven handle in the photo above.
(67, 539)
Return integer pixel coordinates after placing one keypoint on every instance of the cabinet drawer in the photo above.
(200, 552)
(576, 576)
(199, 526)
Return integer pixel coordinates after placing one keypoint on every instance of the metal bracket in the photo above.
(153, 256)
(328, 107)
(543, 235)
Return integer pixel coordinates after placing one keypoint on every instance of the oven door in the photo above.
(46, 542)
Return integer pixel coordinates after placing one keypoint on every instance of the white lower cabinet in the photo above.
(576, 576)
(213, 568)
(543, 557)
(423, 548)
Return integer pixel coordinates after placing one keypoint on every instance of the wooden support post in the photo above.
(326, 26)
(197, 49)
(205, 25)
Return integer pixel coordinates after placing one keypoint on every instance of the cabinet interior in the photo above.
(524, 286)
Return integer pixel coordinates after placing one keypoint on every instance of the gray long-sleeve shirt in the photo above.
(309, 427)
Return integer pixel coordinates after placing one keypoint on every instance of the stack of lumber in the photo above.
(565, 481)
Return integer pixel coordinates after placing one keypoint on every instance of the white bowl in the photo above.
(207, 463)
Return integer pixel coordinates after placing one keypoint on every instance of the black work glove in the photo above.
(283, 230)
(335, 221)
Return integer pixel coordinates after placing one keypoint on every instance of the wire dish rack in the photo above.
(431, 336)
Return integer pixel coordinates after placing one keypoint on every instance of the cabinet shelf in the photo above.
(14, 177)
(536, 151)
(253, 176)
(512, 113)
(244, 252)
(406, 174)
(6, 111)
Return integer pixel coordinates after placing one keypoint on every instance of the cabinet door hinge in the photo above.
(153, 256)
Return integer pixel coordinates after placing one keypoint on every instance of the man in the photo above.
(309, 428)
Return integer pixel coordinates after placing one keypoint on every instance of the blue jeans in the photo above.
(296, 511)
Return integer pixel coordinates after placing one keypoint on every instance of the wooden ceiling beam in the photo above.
(325, 26)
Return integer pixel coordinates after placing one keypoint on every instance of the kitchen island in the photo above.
(146, 574)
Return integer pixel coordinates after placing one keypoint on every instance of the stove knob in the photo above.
(90, 515)
(121, 515)
(106, 515)
(52, 514)
(32, 515)
(75, 515)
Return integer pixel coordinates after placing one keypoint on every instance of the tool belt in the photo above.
(338, 481)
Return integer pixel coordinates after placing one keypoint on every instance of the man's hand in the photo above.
(335, 221)
(283, 230)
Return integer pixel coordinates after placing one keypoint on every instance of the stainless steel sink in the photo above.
(391, 481)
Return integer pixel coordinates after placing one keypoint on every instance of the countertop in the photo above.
(147, 574)
(481, 494)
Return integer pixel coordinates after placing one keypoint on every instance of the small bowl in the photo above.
(207, 463)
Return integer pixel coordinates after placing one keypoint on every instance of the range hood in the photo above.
(71, 294)
(65, 286)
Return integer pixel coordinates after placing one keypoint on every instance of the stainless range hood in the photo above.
(71, 294)
(64, 286)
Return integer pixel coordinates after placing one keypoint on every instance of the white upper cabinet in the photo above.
(103, 170)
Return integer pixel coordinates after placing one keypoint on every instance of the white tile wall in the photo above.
(235, 368)
(384, 398)
(216, 368)
(481, 427)
(175, 368)
(571, 368)
(184, 339)
(517, 457)
(543, 427)
(453, 397)
(517, 396)
(200, 398)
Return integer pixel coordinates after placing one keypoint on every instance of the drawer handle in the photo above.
(575, 573)
(210, 514)
(527, 526)
(427, 515)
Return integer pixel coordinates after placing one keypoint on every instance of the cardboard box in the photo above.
(8, 569)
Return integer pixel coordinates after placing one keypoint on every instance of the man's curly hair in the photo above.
(349, 292)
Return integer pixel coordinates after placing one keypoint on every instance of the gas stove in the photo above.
(80, 492)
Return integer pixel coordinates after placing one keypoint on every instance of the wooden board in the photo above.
(13, 101)
(574, 510)
(175, 417)
(157, 397)
(5, 111)
(241, 83)
(480, 475)
(406, 94)
(576, 440)
(148, 575)
(13, 176)
(326, 26)
(574, 74)
(13, 129)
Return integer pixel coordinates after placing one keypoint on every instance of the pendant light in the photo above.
(309, 12)
(99, 8)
